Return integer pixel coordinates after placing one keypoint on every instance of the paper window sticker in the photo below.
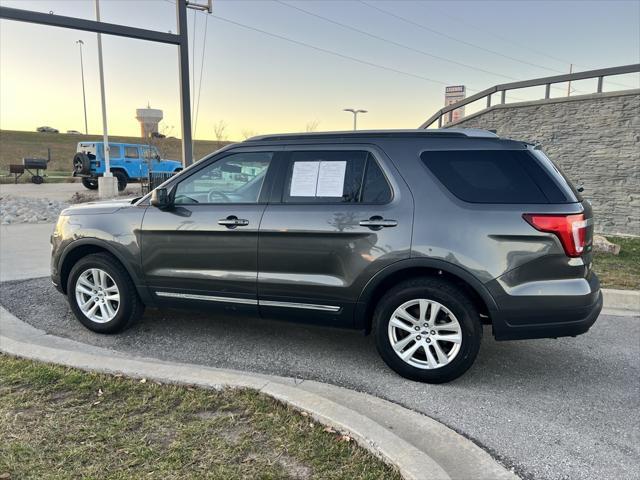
(331, 177)
(304, 179)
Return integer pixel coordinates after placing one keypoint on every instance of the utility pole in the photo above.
(84, 98)
(569, 83)
(107, 184)
(355, 115)
(185, 103)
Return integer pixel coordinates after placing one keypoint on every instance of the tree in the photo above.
(219, 130)
(247, 133)
(312, 126)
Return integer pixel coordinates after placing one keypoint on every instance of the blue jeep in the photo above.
(130, 162)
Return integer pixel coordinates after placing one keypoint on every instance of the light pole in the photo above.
(355, 115)
(107, 184)
(84, 98)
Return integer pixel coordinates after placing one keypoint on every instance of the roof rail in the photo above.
(442, 132)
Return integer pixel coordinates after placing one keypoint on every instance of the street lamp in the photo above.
(84, 98)
(355, 115)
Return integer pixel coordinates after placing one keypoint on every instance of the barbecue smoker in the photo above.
(30, 164)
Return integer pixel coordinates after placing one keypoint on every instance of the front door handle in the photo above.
(232, 222)
(377, 223)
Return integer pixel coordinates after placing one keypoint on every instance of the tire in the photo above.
(90, 182)
(122, 180)
(37, 179)
(129, 307)
(81, 164)
(454, 307)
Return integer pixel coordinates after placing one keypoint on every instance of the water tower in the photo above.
(149, 119)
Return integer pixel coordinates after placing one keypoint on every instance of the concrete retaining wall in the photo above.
(594, 138)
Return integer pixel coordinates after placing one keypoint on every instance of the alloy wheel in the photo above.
(97, 295)
(425, 334)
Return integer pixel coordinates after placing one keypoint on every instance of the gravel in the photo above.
(29, 210)
(553, 409)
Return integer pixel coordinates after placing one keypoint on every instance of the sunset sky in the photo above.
(259, 83)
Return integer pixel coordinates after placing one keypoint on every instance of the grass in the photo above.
(63, 423)
(620, 271)
(14, 145)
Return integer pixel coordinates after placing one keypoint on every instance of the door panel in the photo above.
(185, 249)
(204, 248)
(320, 257)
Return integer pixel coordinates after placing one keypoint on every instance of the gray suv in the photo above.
(419, 237)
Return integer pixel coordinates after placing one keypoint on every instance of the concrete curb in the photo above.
(622, 302)
(382, 427)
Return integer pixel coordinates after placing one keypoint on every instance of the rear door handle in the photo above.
(377, 223)
(232, 222)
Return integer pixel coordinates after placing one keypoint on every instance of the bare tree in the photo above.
(247, 133)
(312, 126)
(219, 130)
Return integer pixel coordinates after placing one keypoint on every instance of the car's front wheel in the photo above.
(102, 295)
(427, 330)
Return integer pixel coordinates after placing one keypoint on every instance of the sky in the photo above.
(395, 66)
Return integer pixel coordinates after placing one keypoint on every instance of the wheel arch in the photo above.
(121, 170)
(81, 248)
(420, 267)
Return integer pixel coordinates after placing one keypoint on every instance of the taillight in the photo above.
(570, 229)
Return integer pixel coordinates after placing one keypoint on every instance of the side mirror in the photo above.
(160, 198)
(157, 157)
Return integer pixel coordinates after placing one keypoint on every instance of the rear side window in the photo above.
(335, 177)
(495, 176)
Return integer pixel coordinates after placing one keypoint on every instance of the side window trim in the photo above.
(278, 191)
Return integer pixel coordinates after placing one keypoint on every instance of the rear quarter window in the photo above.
(495, 176)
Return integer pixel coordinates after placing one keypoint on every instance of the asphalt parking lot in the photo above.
(553, 409)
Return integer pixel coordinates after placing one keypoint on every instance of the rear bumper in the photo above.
(562, 314)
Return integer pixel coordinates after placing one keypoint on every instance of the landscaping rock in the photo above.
(602, 245)
(29, 210)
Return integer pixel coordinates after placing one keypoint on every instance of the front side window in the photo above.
(150, 153)
(131, 152)
(350, 176)
(237, 178)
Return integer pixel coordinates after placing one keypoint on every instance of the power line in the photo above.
(204, 44)
(392, 42)
(521, 45)
(334, 53)
(455, 39)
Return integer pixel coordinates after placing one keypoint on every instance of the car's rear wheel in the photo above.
(102, 295)
(90, 183)
(427, 330)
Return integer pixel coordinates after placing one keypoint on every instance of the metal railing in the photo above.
(154, 179)
(600, 74)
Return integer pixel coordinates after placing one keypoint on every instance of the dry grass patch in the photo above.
(57, 422)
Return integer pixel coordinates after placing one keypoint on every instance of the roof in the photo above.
(418, 133)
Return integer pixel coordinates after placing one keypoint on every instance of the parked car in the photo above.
(74, 132)
(129, 162)
(419, 237)
(46, 129)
